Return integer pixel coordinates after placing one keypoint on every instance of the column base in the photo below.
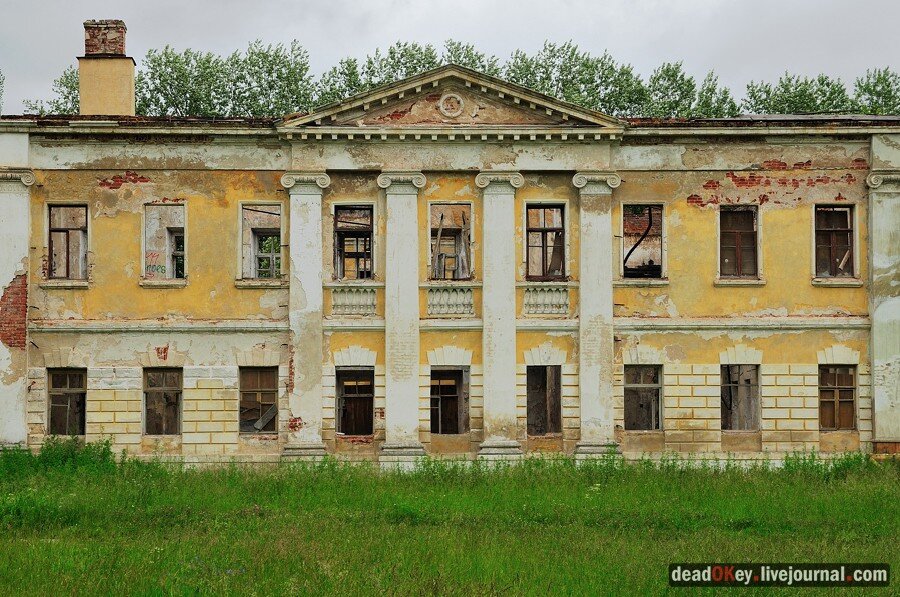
(303, 453)
(585, 450)
(492, 450)
(401, 456)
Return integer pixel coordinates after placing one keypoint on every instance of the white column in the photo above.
(884, 297)
(14, 230)
(305, 311)
(401, 316)
(595, 314)
(499, 314)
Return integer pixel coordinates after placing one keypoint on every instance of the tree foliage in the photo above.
(273, 80)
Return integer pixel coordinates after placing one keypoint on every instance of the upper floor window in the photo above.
(68, 242)
(67, 393)
(164, 248)
(643, 241)
(450, 226)
(261, 241)
(837, 397)
(546, 249)
(737, 242)
(834, 241)
(353, 242)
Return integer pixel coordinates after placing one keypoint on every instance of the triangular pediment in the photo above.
(452, 96)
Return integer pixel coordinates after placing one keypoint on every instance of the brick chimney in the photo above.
(105, 73)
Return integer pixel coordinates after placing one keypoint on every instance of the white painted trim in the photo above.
(89, 252)
(837, 281)
(376, 241)
(643, 355)
(760, 271)
(740, 354)
(545, 354)
(838, 354)
(354, 356)
(449, 356)
(664, 239)
(567, 230)
(165, 282)
(240, 235)
(471, 205)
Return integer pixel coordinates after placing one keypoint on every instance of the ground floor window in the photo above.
(162, 401)
(544, 389)
(740, 397)
(837, 397)
(642, 397)
(449, 401)
(259, 399)
(68, 392)
(355, 401)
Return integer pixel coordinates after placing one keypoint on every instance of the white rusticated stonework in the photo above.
(499, 332)
(740, 354)
(401, 315)
(546, 299)
(449, 356)
(305, 313)
(456, 300)
(838, 355)
(352, 300)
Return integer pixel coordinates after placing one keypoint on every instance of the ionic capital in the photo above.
(484, 179)
(26, 177)
(291, 179)
(387, 179)
(596, 183)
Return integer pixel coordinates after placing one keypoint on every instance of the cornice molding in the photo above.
(320, 179)
(876, 179)
(485, 179)
(386, 179)
(603, 182)
(26, 177)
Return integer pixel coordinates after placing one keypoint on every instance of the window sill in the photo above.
(346, 283)
(639, 282)
(544, 283)
(838, 282)
(739, 282)
(260, 283)
(263, 436)
(450, 284)
(64, 284)
(165, 283)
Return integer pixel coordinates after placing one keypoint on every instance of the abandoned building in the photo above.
(450, 265)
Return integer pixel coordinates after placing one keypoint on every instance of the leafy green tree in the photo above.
(188, 83)
(340, 82)
(878, 92)
(467, 55)
(798, 95)
(714, 101)
(266, 80)
(401, 60)
(65, 96)
(670, 92)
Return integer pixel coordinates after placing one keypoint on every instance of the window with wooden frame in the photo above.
(162, 401)
(544, 399)
(643, 241)
(643, 397)
(67, 394)
(68, 242)
(267, 254)
(449, 401)
(353, 226)
(259, 400)
(261, 241)
(546, 242)
(740, 397)
(450, 230)
(834, 241)
(738, 242)
(837, 397)
(164, 254)
(355, 401)
(176, 253)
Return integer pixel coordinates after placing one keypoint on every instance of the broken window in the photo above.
(837, 397)
(68, 242)
(740, 397)
(355, 401)
(162, 401)
(546, 243)
(261, 241)
(642, 234)
(834, 241)
(642, 397)
(450, 225)
(737, 249)
(164, 254)
(353, 242)
(68, 392)
(449, 401)
(259, 399)
(544, 404)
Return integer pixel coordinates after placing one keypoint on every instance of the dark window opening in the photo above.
(740, 397)
(642, 233)
(642, 397)
(837, 397)
(737, 250)
(176, 252)
(162, 401)
(259, 399)
(68, 394)
(355, 401)
(68, 242)
(544, 405)
(353, 243)
(449, 401)
(834, 241)
(546, 243)
(450, 258)
(267, 245)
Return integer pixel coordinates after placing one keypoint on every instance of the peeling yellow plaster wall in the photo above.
(467, 340)
(374, 341)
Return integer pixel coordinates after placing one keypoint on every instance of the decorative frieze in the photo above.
(353, 300)
(451, 300)
(546, 299)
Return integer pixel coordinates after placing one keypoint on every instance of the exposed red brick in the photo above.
(104, 38)
(860, 164)
(695, 200)
(803, 165)
(749, 181)
(774, 165)
(763, 199)
(711, 184)
(13, 312)
(117, 181)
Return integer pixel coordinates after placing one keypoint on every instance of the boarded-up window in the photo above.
(642, 234)
(164, 249)
(837, 397)
(740, 397)
(546, 242)
(737, 250)
(162, 401)
(67, 401)
(353, 242)
(834, 241)
(68, 242)
(642, 397)
(261, 241)
(544, 394)
(450, 226)
(259, 399)
(355, 401)
(449, 401)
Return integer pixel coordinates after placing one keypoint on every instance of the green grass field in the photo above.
(72, 520)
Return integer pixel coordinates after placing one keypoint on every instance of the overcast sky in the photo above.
(740, 39)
